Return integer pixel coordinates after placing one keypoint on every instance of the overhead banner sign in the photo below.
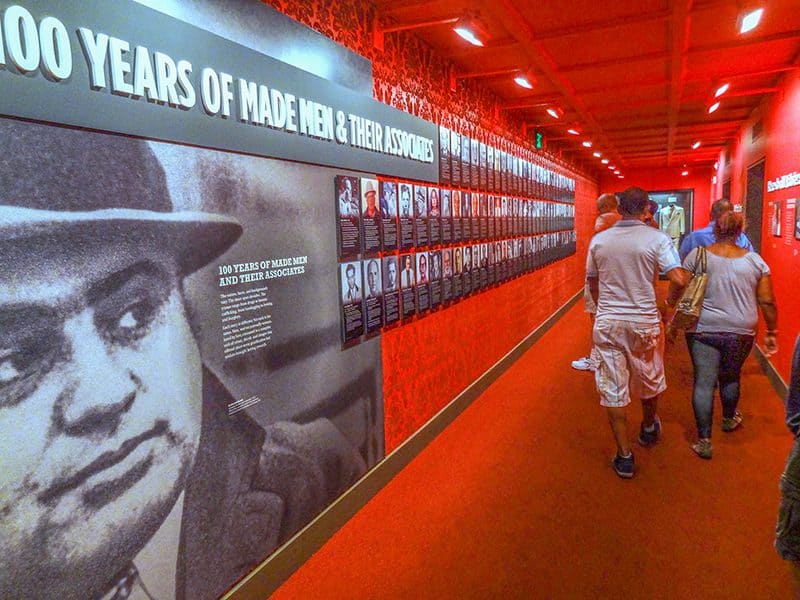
(118, 66)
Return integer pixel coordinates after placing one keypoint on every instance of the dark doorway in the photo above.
(754, 203)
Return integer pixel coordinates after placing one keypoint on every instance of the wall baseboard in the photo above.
(772, 374)
(270, 574)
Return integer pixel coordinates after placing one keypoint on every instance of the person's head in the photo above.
(350, 273)
(408, 262)
(423, 265)
(436, 261)
(633, 203)
(458, 259)
(728, 227)
(405, 200)
(347, 188)
(373, 277)
(719, 207)
(434, 199)
(100, 374)
(391, 270)
(421, 201)
(370, 197)
(606, 203)
(446, 260)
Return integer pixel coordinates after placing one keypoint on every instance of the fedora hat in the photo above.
(370, 187)
(84, 187)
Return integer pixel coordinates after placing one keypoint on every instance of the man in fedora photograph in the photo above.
(122, 473)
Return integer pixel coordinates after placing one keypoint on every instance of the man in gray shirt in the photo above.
(620, 270)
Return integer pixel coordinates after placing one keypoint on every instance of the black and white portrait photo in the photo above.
(162, 430)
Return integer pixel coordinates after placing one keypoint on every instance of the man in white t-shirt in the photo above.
(620, 270)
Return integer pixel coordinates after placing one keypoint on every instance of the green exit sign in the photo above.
(539, 140)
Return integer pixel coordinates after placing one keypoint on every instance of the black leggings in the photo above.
(717, 359)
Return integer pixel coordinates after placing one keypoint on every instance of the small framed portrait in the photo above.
(405, 210)
(391, 280)
(408, 277)
(447, 262)
(388, 199)
(351, 282)
(372, 270)
(777, 214)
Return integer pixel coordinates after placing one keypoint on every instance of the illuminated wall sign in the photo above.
(118, 66)
(783, 182)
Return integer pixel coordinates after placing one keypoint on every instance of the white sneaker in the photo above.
(583, 364)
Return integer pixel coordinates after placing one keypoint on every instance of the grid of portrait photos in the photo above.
(408, 248)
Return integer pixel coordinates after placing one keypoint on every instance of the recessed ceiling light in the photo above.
(713, 107)
(696, 145)
(596, 154)
(616, 172)
(469, 29)
(611, 167)
(587, 144)
(722, 89)
(749, 18)
(526, 80)
(605, 161)
(621, 176)
(556, 112)
(684, 173)
(573, 131)
(716, 165)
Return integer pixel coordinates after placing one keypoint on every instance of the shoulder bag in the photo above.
(688, 307)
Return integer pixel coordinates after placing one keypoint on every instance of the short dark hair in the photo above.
(633, 202)
(349, 268)
(728, 227)
(719, 207)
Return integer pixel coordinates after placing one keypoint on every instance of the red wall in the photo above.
(668, 179)
(428, 362)
(779, 145)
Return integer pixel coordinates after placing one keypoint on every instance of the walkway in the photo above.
(516, 499)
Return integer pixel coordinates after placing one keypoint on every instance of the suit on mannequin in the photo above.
(672, 221)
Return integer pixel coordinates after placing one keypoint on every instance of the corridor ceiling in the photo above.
(635, 76)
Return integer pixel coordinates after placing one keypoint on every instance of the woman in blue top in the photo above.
(738, 285)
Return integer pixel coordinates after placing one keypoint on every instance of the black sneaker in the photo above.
(623, 465)
(648, 438)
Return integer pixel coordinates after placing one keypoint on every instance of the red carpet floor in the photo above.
(516, 499)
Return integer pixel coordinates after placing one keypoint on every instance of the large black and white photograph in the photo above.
(165, 311)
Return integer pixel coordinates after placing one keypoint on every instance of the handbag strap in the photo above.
(701, 263)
